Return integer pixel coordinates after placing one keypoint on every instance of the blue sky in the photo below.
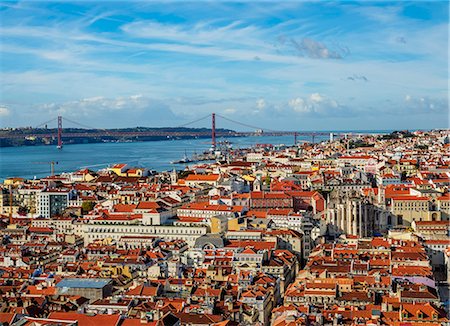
(293, 66)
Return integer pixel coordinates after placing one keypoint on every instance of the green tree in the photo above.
(87, 206)
(23, 210)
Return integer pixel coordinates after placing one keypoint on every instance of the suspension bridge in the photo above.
(85, 131)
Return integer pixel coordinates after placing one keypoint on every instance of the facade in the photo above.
(97, 230)
(53, 202)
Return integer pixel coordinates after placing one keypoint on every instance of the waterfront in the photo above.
(34, 161)
(31, 161)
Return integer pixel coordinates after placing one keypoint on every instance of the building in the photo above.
(52, 202)
(90, 288)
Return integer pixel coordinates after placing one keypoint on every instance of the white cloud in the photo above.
(299, 105)
(202, 33)
(229, 111)
(171, 60)
(123, 111)
(311, 48)
(425, 105)
(385, 14)
(260, 104)
(318, 104)
(4, 111)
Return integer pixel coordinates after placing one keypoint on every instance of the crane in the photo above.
(52, 166)
(10, 205)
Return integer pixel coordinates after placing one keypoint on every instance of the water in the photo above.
(34, 161)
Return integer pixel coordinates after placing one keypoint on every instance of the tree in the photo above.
(403, 176)
(183, 174)
(87, 206)
(23, 210)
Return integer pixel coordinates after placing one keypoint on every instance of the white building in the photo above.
(51, 202)
(94, 230)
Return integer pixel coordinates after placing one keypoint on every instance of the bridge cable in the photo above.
(80, 124)
(106, 131)
(244, 124)
(44, 123)
(192, 122)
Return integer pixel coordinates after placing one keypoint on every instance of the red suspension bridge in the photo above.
(41, 131)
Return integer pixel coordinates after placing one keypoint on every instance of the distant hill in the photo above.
(44, 136)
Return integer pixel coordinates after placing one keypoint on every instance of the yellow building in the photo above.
(84, 175)
(5, 207)
(136, 172)
(219, 224)
(116, 270)
(118, 169)
(414, 208)
(123, 170)
(237, 224)
(407, 166)
(13, 181)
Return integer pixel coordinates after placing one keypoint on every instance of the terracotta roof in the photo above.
(202, 177)
(400, 198)
(85, 320)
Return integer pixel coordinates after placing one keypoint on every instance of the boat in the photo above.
(185, 159)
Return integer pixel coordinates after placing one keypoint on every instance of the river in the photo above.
(33, 161)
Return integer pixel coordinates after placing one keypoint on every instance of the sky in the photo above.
(281, 66)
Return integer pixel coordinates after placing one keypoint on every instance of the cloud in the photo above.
(203, 32)
(4, 111)
(318, 105)
(316, 50)
(126, 111)
(310, 48)
(410, 107)
(202, 100)
(260, 104)
(208, 63)
(229, 111)
(381, 14)
(400, 39)
(358, 78)
(415, 104)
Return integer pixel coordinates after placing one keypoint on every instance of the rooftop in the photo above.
(87, 283)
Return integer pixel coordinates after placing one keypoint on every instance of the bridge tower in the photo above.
(59, 132)
(213, 131)
(295, 138)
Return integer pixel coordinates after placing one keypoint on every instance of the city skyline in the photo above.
(292, 66)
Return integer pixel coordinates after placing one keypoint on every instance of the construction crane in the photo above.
(52, 166)
(10, 205)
